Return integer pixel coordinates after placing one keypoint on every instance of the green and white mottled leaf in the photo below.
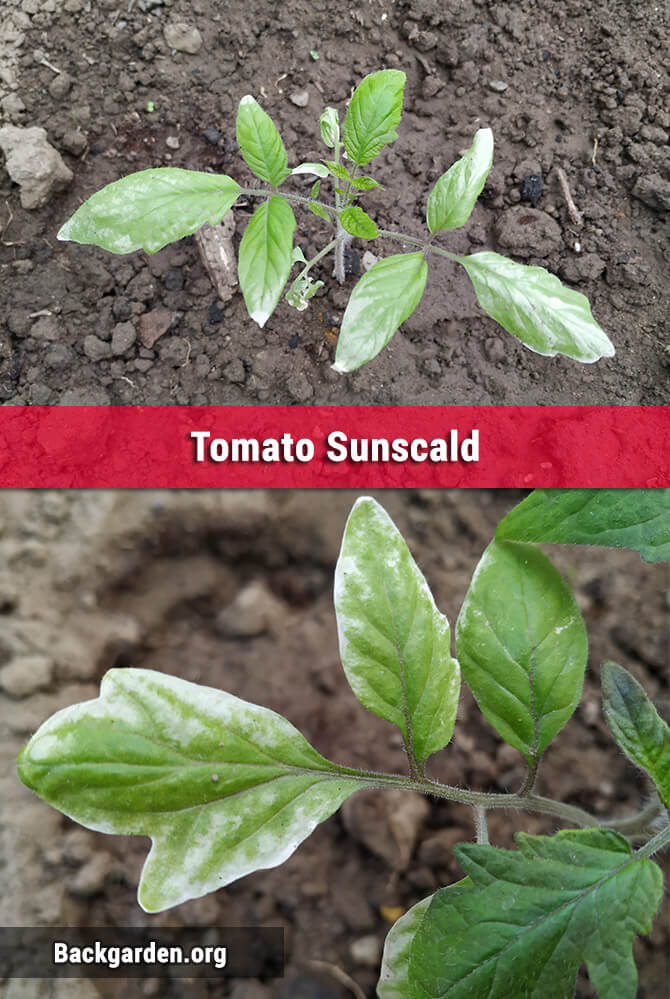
(394, 974)
(637, 726)
(394, 643)
(533, 305)
(358, 223)
(149, 209)
(301, 291)
(383, 299)
(260, 143)
(373, 115)
(618, 518)
(532, 916)
(222, 787)
(451, 201)
(318, 169)
(521, 643)
(266, 257)
(329, 123)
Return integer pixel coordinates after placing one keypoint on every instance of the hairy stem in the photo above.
(481, 826)
(655, 844)
(322, 253)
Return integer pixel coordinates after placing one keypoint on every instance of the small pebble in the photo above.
(300, 98)
(497, 86)
(212, 135)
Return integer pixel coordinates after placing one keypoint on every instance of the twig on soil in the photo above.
(49, 65)
(6, 242)
(595, 151)
(188, 355)
(341, 976)
(573, 211)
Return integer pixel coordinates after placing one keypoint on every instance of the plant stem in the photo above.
(322, 253)
(481, 827)
(655, 844)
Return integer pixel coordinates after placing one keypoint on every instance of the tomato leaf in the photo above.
(533, 305)
(151, 208)
(222, 787)
(265, 257)
(394, 643)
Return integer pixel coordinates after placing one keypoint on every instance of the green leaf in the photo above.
(222, 787)
(316, 187)
(337, 169)
(329, 123)
(383, 299)
(394, 974)
(265, 257)
(533, 305)
(358, 223)
(373, 114)
(149, 209)
(451, 201)
(618, 518)
(394, 643)
(318, 169)
(521, 642)
(365, 183)
(320, 211)
(301, 290)
(260, 142)
(533, 915)
(637, 726)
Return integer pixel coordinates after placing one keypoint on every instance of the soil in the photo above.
(234, 590)
(575, 84)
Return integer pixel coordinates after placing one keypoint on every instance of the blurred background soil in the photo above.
(123, 85)
(234, 590)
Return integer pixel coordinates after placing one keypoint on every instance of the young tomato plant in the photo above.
(154, 207)
(224, 787)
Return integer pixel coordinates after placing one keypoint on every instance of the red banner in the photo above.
(314, 446)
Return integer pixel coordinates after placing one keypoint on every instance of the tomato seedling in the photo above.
(148, 209)
(224, 787)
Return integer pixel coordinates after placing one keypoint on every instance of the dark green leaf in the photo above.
(522, 646)
(394, 643)
(222, 787)
(149, 209)
(620, 518)
(260, 142)
(380, 302)
(358, 223)
(373, 115)
(637, 726)
(265, 257)
(533, 305)
(451, 201)
(532, 916)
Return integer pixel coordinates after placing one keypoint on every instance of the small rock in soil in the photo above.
(498, 86)
(95, 349)
(173, 280)
(74, 142)
(123, 338)
(183, 37)
(253, 612)
(26, 674)
(33, 164)
(300, 98)
(153, 325)
(60, 86)
(494, 350)
(299, 386)
(528, 232)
